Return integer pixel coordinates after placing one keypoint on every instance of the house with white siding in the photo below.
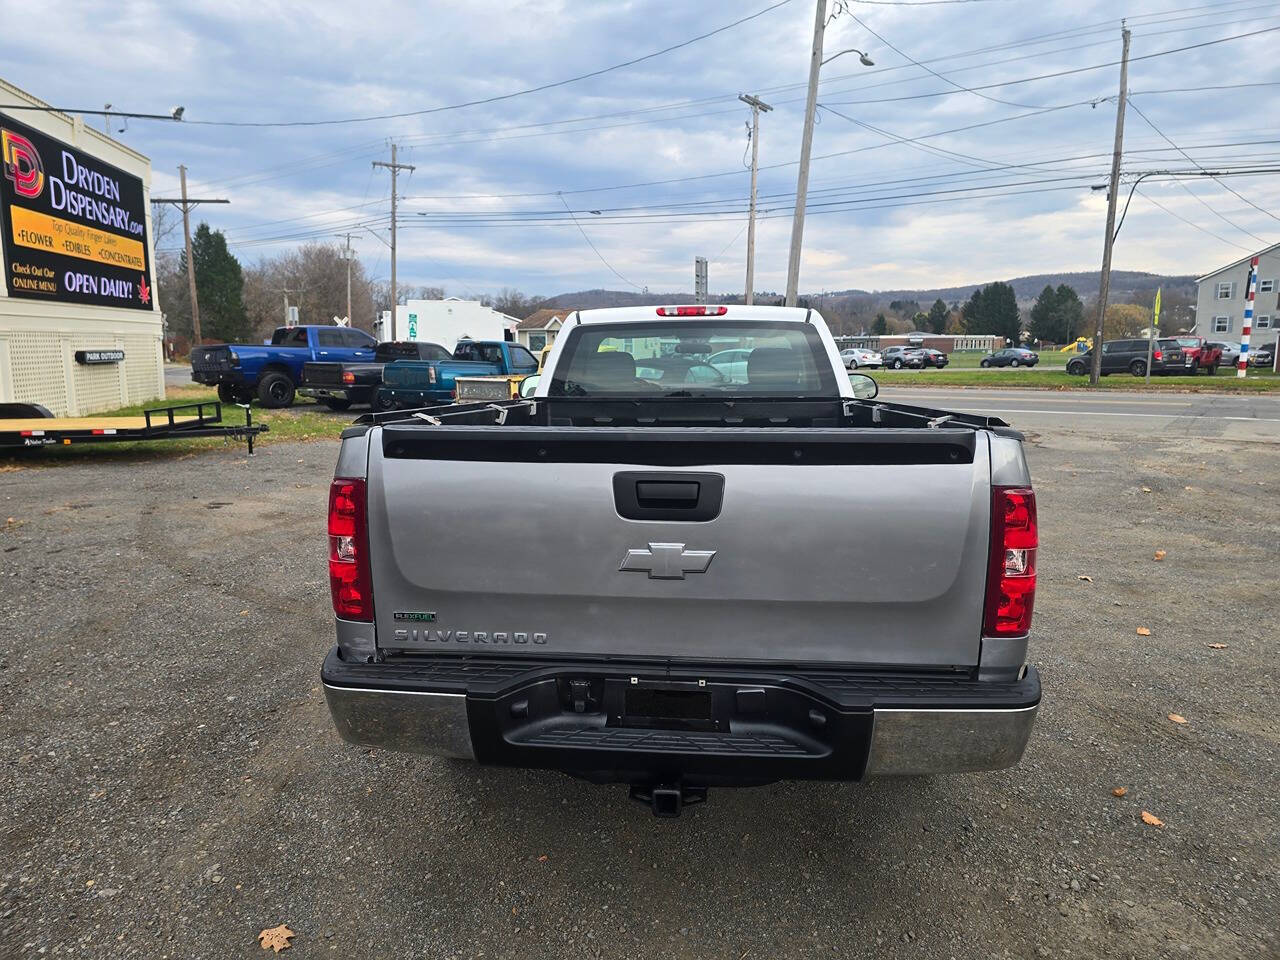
(1220, 299)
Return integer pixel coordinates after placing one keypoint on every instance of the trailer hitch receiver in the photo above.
(668, 799)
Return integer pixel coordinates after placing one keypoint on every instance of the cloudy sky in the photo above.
(646, 161)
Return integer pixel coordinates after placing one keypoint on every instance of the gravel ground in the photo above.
(172, 786)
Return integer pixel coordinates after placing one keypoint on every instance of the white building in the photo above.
(80, 328)
(447, 321)
(1220, 299)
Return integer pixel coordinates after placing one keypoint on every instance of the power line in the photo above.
(1192, 223)
(596, 250)
(1184, 153)
(902, 53)
(500, 97)
(1064, 73)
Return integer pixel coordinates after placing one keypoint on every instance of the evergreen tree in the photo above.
(993, 310)
(219, 287)
(1046, 322)
(1002, 311)
(1071, 311)
(938, 315)
(881, 326)
(973, 314)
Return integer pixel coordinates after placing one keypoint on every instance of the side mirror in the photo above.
(864, 388)
(529, 384)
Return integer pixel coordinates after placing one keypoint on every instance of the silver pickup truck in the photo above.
(697, 553)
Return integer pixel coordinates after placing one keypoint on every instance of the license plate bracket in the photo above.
(662, 705)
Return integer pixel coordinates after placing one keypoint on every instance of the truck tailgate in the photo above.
(827, 546)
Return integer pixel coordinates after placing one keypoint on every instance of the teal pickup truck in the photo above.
(411, 383)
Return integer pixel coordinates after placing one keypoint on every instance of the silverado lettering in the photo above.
(465, 636)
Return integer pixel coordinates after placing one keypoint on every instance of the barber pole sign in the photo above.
(1243, 363)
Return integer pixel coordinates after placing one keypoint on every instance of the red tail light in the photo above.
(1011, 575)
(1157, 355)
(699, 311)
(348, 376)
(350, 581)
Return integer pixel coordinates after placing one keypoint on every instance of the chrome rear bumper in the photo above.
(902, 742)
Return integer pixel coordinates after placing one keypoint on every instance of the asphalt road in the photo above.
(1208, 415)
(172, 785)
(177, 375)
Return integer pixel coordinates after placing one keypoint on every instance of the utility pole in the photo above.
(346, 255)
(699, 279)
(806, 144)
(394, 168)
(187, 204)
(756, 105)
(1104, 288)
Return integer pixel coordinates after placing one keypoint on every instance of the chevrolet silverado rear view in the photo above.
(725, 563)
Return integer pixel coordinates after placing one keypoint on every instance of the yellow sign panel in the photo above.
(39, 231)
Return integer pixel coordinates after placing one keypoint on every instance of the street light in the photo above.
(865, 60)
(806, 144)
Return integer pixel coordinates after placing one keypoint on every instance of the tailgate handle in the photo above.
(691, 497)
(660, 493)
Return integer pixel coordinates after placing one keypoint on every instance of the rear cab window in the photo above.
(286, 337)
(674, 358)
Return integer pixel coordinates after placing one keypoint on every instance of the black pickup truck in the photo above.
(339, 385)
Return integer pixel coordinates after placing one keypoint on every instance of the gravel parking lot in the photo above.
(172, 785)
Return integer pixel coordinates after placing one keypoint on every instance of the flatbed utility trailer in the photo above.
(29, 425)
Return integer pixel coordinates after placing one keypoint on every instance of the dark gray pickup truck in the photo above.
(721, 580)
(339, 385)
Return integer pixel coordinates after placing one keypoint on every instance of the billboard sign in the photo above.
(74, 227)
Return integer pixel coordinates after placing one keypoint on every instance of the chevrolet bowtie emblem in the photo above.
(667, 561)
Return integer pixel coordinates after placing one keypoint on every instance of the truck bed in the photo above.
(858, 536)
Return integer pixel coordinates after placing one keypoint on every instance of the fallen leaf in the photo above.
(1217, 646)
(543, 858)
(1177, 718)
(1146, 489)
(1119, 791)
(1144, 632)
(1151, 820)
(244, 613)
(277, 938)
(1085, 577)
(1159, 555)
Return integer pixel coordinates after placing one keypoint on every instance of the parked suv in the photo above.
(899, 357)
(1263, 355)
(1012, 357)
(1119, 356)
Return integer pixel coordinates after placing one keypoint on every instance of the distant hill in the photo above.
(1124, 285)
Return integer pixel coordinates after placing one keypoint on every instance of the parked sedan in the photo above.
(1230, 352)
(899, 357)
(1263, 355)
(1012, 357)
(855, 357)
(934, 358)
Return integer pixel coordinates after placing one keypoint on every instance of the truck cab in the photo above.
(272, 372)
(407, 384)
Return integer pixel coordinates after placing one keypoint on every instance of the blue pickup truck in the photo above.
(272, 372)
(408, 383)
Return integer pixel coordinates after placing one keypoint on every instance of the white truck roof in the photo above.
(731, 312)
